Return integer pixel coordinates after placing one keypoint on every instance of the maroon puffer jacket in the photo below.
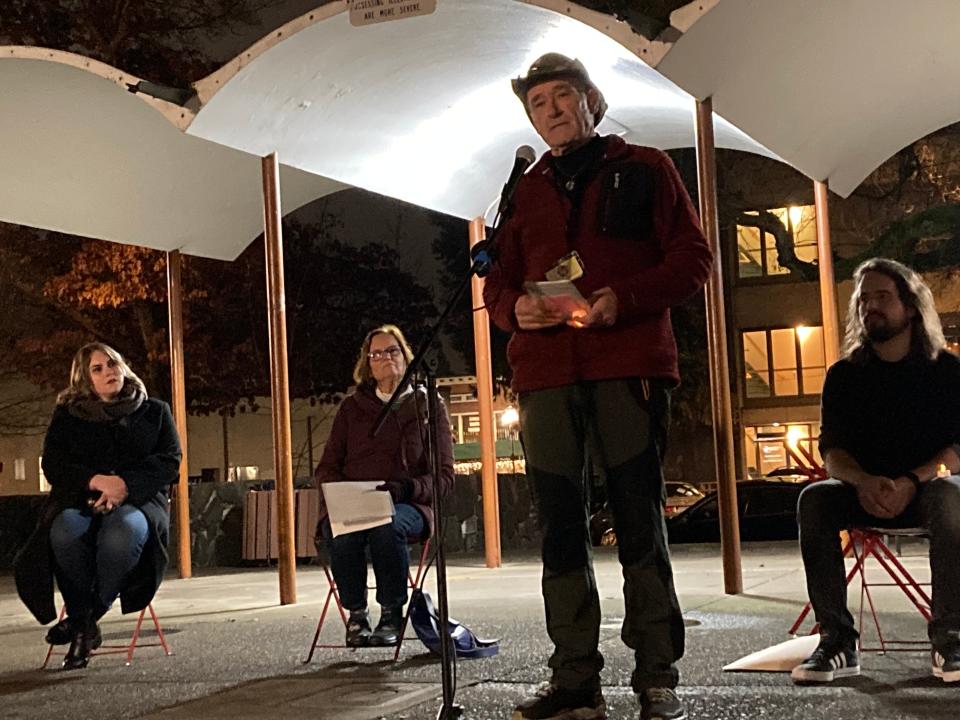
(636, 232)
(396, 452)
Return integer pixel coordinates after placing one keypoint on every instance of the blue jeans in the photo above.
(388, 555)
(94, 554)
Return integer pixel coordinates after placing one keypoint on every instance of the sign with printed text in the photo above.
(368, 12)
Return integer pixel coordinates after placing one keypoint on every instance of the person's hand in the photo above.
(602, 312)
(112, 489)
(877, 494)
(400, 490)
(535, 314)
(902, 495)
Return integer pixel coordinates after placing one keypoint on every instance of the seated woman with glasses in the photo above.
(110, 455)
(398, 458)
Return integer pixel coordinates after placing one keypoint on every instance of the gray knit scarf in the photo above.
(93, 409)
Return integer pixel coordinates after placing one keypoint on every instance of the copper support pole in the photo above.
(828, 287)
(719, 363)
(488, 448)
(279, 385)
(179, 406)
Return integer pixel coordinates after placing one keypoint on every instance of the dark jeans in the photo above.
(93, 554)
(829, 506)
(623, 423)
(389, 556)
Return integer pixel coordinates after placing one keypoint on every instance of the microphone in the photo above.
(484, 252)
(524, 159)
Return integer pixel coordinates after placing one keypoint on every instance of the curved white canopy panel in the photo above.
(834, 88)
(421, 108)
(81, 155)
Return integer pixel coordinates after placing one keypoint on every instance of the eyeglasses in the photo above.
(390, 352)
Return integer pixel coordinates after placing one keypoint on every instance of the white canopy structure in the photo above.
(421, 109)
(833, 88)
(84, 156)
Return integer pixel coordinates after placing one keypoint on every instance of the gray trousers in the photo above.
(624, 424)
(829, 506)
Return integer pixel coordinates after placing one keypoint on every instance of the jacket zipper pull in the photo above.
(616, 180)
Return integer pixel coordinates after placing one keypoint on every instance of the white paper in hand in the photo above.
(354, 506)
(561, 295)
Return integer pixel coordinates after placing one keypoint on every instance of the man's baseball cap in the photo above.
(554, 66)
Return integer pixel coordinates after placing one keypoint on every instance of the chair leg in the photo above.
(903, 579)
(156, 626)
(873, 546)
(316, 635)
(133, 638)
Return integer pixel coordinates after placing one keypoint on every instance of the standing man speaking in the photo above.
(596, 364)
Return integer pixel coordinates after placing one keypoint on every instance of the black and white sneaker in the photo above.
(552, 702)
(827, 663)
(946, 665)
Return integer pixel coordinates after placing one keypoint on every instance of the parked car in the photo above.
(789, 474)
(680, 496)
(768, 511)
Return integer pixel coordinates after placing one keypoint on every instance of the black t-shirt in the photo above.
(891, 416)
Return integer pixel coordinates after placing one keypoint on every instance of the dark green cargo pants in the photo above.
(624, 424)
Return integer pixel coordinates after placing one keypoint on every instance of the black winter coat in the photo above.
(143, 448)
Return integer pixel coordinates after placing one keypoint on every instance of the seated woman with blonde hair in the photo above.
(398, 458)
(109, 455)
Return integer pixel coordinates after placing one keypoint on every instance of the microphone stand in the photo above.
(481, 261)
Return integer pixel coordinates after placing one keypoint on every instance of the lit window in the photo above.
(783, 362)
(757, 244)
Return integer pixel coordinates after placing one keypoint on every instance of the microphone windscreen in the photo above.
(527, 153)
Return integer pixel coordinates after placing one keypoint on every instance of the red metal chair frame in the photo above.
(130, 647)
(413, 581)
(863, 544)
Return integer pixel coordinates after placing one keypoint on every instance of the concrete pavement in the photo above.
(239, 655)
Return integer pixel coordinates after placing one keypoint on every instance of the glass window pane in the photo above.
(756, 364)
(785, 380)
(812, 359)
(804, 220)
(748, 251)
(773, 264)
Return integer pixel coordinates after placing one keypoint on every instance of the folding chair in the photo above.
(129, 648)
(865, 543)
(332, 592)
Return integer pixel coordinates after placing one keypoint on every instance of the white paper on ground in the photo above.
(356, 505)
(782, 657)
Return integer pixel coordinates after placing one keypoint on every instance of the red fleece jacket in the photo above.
(637, 232)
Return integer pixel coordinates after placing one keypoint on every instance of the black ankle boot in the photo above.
(86, 639)
(61, 633)
(358, 628)
(388, 629)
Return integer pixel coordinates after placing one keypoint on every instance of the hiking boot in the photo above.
(828, 662)
(551, 702)
(358, 628)
(661, 704)
(388, 629)
(946, 665)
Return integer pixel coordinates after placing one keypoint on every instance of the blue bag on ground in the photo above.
(425, 621)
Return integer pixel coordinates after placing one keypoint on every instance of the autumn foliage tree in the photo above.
(69, 291)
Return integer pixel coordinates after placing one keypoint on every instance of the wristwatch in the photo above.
(912, 477)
